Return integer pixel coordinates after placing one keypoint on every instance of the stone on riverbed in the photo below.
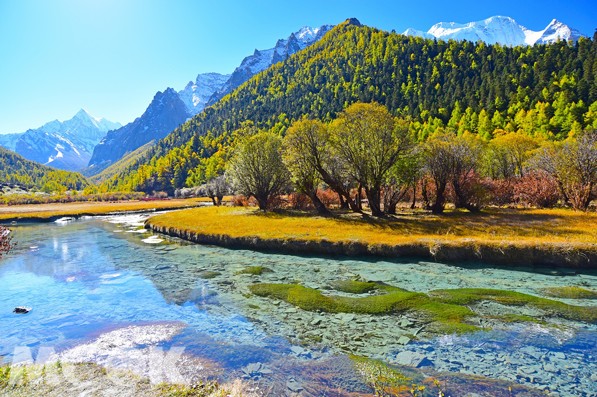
(413, 359)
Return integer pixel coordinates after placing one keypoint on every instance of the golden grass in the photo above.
(493, 226)
(48, 211)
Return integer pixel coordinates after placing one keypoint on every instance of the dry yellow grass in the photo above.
(49, 211)
(493, 226)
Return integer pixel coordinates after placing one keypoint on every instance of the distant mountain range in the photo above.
(498, 30)
(66, 145)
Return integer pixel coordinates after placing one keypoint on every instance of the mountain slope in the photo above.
(413, 77)
(263, 59)
(15, 169)
(165, 112)
(498, 30)
(65, 145)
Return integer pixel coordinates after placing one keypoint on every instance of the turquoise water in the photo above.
(103, 276)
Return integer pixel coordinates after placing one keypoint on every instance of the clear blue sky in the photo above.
(111, 56)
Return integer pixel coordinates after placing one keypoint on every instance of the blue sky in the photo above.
(111, 56)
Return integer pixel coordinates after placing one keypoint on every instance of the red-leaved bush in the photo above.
(536, 189)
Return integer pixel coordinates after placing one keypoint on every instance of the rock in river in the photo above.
(413, 359)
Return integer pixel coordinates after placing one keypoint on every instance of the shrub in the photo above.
(536, 189)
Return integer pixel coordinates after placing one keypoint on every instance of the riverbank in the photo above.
(53, 211)
(513, 237)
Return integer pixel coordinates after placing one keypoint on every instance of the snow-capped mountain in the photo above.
(498, 30)
(196, 94)
(165, 112)
(263, 59)
(66, 145)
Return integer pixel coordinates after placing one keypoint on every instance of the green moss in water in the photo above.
(446, 317)
(571, 292)
(208, 274)
(354, 286)
(255, 270)
(466, 296)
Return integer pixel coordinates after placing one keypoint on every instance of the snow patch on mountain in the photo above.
(263, 59)
(196, 93)
(498, 30)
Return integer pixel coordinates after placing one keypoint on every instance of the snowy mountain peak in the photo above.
(82, 114)
(498, 30)
(196, 93)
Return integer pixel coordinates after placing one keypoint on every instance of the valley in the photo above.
(349, 212)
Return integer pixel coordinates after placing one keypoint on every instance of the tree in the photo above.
(5, 240)
(256, 168)
(370, 141)
(215, 189)
(438, 164)
(403, 176)
(304, 145)
(508, 154)
(574, 165)
(452, 160)
(465, 153)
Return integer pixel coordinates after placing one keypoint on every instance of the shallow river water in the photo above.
(104, 290)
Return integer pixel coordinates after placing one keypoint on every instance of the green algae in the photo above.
(354, 286)
(446, 310)
(572, 292)
(466, 296)
(446, 317)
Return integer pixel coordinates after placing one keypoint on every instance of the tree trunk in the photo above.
(219, 200)
(343, 203)
(262, 202)
(438, 206)
(319, 206)
(213, 200)
(338, 188)
(374, 197)
(359, 201)
(414, 203)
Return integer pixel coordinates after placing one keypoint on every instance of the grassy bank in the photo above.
(503, 236)
(49, 212)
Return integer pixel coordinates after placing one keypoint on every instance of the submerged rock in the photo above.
(413, 359)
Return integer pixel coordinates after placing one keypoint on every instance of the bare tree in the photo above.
(215, 189)
(573, 164)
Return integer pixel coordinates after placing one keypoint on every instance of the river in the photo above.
(105, 290)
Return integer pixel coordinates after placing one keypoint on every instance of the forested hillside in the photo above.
(547, 91)
(15, 169)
